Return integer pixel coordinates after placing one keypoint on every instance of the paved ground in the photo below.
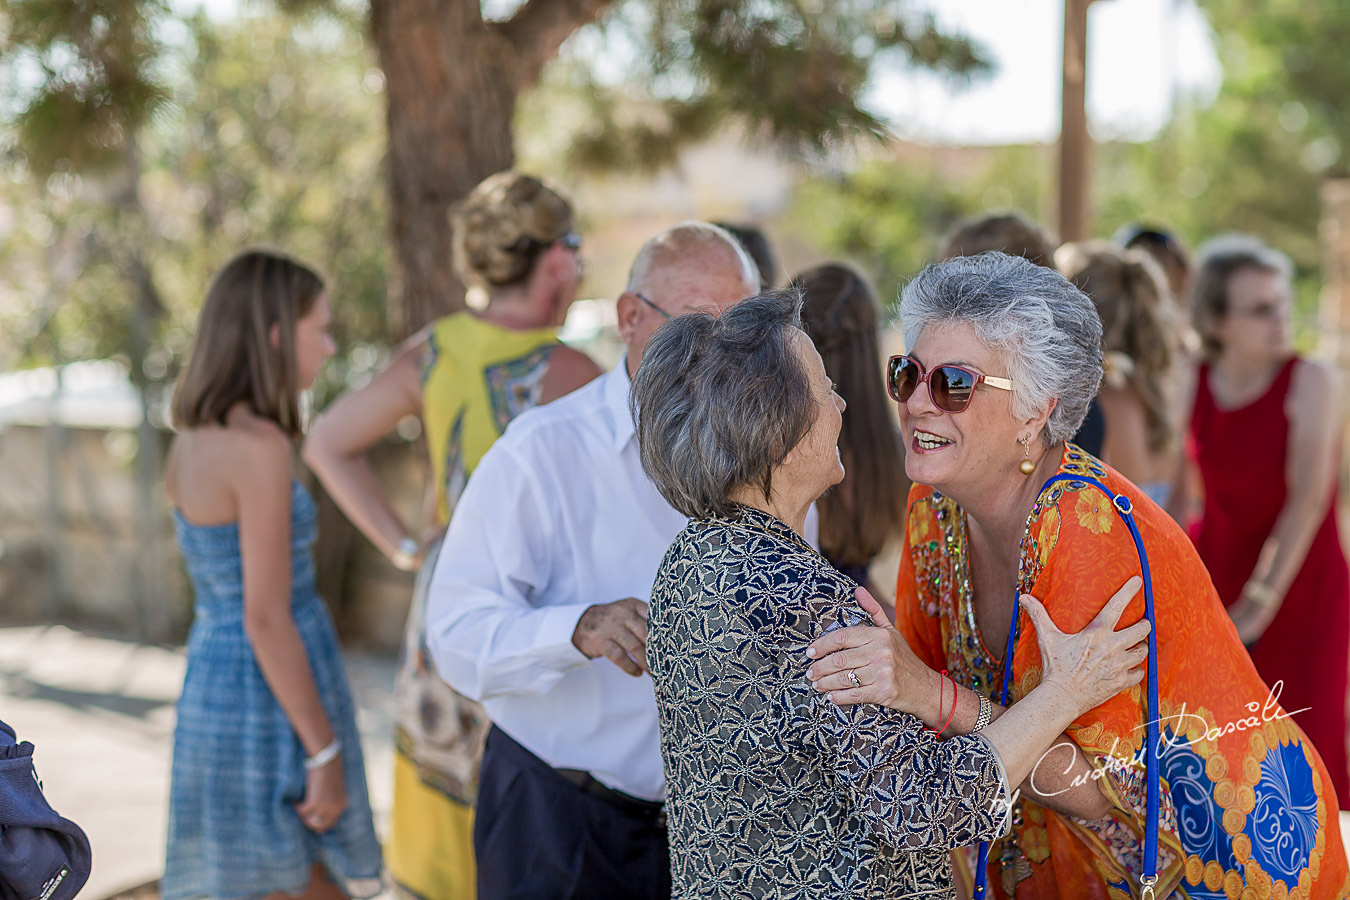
(100, 713)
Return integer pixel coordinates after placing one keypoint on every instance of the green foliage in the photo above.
(788, 74)
(1253, 160)
(143, 150)
(275, 138)
(888, 216)
(83, 75)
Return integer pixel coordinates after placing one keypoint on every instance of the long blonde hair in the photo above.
(1132, 299)
(232, 357)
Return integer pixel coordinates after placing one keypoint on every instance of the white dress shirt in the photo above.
(557, 517)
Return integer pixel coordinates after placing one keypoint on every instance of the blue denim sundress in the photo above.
(238, 766)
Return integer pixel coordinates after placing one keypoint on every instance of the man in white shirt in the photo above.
(538, 609)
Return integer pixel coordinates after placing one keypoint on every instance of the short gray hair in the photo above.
(686, 238)
(719, 402)
(1048, 329)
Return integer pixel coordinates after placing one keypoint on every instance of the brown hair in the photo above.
(1167, 251)
(1219, 260)
(232, 358)
(841, 314)
(1130, 293)
(504, 225)
(753, 240)
(1009, 232)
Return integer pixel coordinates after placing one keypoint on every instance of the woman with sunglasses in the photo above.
(1003, 359)
(771, 789)
(1268, 530)
(466, 376)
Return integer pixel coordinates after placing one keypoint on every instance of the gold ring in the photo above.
(853, 678)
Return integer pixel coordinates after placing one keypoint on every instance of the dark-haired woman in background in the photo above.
(867, 509)
(268, 798)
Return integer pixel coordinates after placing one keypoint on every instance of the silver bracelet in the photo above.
(986, 713)
(324, 756)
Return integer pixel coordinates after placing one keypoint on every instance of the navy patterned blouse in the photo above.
(773, 790)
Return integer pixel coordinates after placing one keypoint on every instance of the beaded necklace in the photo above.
(967, 654)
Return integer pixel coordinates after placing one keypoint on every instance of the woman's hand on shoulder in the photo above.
(885, 668)
(1092, 666)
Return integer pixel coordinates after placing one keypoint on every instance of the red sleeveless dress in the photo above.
(1242, 455)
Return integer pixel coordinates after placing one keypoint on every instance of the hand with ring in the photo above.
(867, 663)
(325, 796)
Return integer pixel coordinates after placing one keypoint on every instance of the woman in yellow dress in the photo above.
(467, 376)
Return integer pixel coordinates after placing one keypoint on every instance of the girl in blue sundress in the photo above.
(269, 792)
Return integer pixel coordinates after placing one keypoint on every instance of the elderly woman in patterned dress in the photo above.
(773, 790)
(1003, 358)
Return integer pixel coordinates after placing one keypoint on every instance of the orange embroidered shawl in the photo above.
(1248, 808)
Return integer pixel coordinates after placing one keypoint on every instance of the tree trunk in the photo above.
(451, 82)
(451, 94)
(1075, 144)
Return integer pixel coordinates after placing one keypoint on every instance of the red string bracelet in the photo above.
(939, 714)
(953, 712)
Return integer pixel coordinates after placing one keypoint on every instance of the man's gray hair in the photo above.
(675, 244)
(1047, 329)
(719, 402)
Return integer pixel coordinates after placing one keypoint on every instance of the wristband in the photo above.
(324, 756)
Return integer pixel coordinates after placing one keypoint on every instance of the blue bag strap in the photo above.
(1125, 508)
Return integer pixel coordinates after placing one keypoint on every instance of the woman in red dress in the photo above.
(1265, 432)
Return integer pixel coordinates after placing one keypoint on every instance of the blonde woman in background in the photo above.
(1140, 348)
(467, 376)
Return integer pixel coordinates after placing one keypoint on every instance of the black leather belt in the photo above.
(634, 806)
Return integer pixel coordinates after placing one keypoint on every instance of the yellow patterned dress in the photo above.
(1248, 809)
(476, 377)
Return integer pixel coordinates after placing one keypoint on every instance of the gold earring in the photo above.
(1026, 466)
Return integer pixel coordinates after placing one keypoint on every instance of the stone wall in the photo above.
(70, 552)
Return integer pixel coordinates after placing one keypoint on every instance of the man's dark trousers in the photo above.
(537, 835)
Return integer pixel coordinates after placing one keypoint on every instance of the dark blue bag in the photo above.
(42, 856)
